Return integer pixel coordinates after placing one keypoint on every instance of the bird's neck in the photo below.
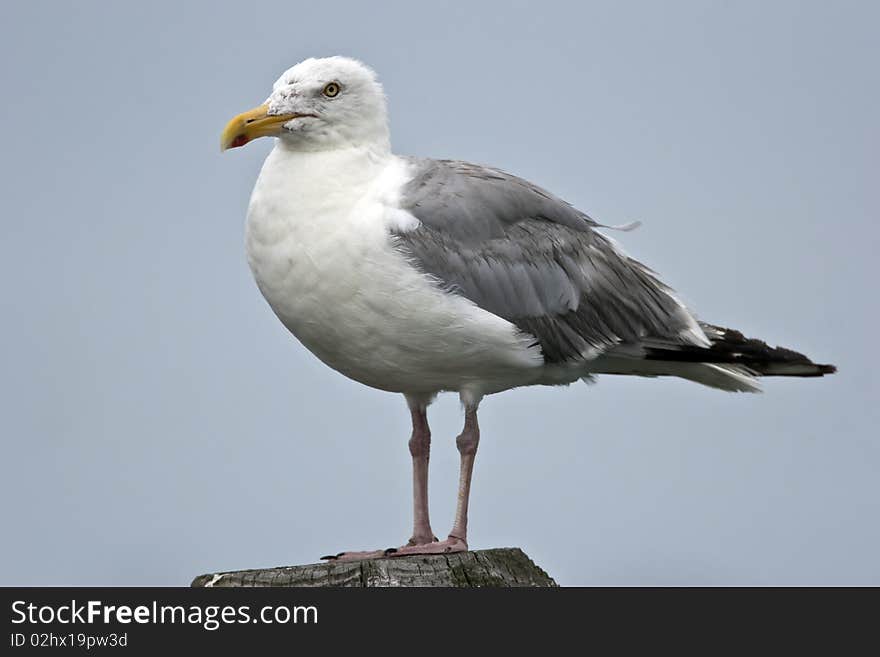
(326, 170)
(310, 186)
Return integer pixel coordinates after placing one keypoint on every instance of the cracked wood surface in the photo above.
(496, 567)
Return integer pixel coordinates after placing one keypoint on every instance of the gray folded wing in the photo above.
(521, 253)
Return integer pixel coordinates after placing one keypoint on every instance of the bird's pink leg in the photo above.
(467, 443)
(420, 449)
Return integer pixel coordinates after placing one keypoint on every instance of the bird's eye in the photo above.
(331, 89)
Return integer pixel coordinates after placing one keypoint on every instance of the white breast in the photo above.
(319, 245)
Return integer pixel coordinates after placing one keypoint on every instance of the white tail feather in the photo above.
(732, 378)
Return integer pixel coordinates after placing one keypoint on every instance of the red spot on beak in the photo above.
(240, 140)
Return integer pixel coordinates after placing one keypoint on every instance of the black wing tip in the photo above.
(730, 346)
(803, 368)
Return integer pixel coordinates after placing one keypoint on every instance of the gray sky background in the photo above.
(158, 422)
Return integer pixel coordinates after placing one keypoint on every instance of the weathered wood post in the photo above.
(496, 567)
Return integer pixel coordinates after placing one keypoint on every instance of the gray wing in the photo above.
(521, 253)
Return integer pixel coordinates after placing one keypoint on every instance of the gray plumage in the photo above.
(525, 255)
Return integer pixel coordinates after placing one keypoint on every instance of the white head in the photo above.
(319, 104)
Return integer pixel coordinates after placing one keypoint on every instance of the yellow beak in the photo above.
(252, 124)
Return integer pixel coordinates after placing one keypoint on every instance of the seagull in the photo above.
(420, 276)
